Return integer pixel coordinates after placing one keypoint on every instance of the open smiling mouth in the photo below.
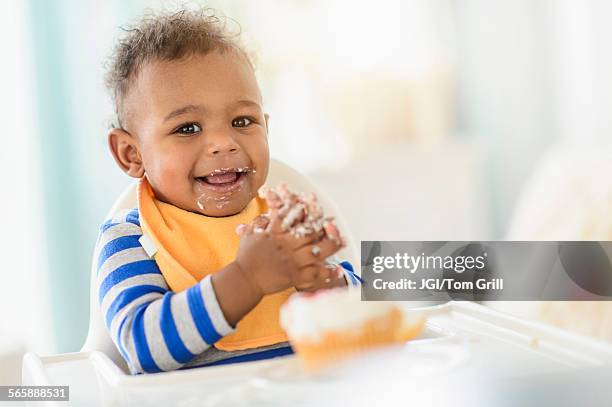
(224, 179)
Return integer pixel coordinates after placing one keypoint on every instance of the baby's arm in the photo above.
(153, 328)
(156, 329)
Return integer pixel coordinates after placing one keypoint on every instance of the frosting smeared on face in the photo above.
(218, 187)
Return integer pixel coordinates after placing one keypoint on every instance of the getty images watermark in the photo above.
(442, 271)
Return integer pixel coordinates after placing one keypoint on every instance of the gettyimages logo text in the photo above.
(412, 264)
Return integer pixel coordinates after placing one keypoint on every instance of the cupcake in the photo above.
(332, 325)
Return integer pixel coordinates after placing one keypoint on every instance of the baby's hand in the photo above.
(272, 261)
(297, 224)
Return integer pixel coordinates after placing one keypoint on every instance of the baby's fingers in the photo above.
(329, 276)
(306, 278)
(282, 219)
(271, 197)
(295, 215)
(260, 223)
(295, 242)
(276, 222)
(314, 253)
(331, 230)
(244, 230)
(320, 276)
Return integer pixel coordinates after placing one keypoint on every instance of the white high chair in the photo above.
(98, 337)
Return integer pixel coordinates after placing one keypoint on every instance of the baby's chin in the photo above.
(228, 210)
(222, 206)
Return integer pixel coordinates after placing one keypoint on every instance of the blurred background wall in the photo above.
(424, 119)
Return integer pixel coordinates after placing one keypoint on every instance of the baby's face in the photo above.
(201, 132)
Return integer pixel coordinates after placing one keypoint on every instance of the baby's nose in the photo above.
(221, 144)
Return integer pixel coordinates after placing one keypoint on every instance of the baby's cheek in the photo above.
(262, 162)
(172, 175)
(258, 182)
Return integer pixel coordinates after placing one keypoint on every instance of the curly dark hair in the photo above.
(166, 36)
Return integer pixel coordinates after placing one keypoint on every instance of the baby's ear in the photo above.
(126, 152)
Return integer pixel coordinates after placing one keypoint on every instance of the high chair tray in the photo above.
(462, 343)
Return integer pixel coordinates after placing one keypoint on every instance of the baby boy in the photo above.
(177, 285)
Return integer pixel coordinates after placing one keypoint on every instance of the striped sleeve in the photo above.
(352, 279)
(154, 328)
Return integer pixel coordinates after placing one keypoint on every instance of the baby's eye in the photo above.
(188, 128)
(241, 122)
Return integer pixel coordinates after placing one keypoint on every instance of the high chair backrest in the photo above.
(98, 337)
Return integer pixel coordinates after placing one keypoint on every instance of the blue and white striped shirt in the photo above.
(154, 328)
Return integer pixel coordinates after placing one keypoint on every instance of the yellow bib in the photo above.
(190, 246)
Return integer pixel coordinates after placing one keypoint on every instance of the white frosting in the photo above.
(309, 316)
